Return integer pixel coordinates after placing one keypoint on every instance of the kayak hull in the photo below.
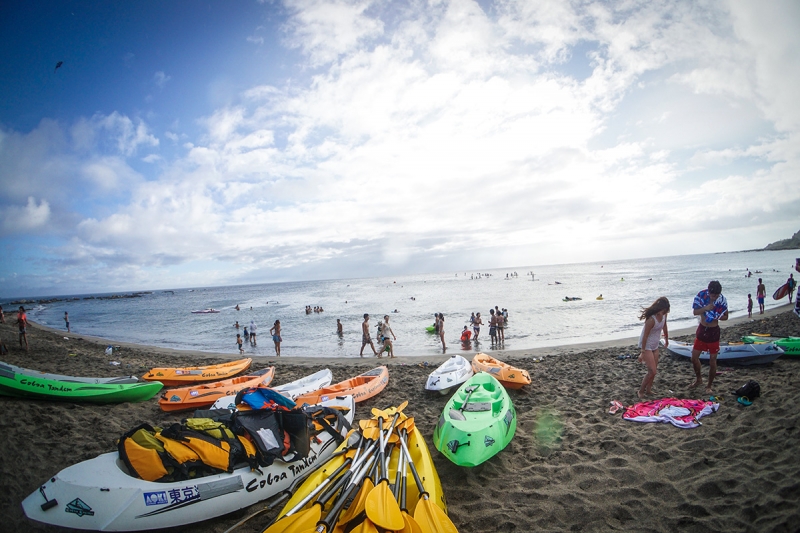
(120, 380)
(99, 495)
(24, 386)
(291, 390)
(361, 387)
(789, 345)
(197, 374)
(449, 375)
(509, 376)
(731, 354)
(477, 422)
(201, 396)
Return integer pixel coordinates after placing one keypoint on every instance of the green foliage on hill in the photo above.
(785, 244)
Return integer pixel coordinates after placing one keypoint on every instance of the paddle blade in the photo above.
(365, 527)
(358, 502)
(411, 525)
(382, 508)
(431, 518)
(297, 522)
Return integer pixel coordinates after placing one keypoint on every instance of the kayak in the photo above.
(291, 390)
(25, 386)
(731, 354)
(195, 374)
(360, 387)
(449, 374)
(476, 423)
(100, 495)
(790, 345)
(509, 376)
(431, 329)
(204, 311)
(420, 455)
(72, 379)
(201, 396)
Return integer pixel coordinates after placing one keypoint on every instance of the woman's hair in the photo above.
(661, 304)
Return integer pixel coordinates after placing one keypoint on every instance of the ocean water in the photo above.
(538, 316)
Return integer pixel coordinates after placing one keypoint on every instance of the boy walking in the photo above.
(366, 338)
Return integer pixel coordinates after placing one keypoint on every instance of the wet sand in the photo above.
(572, 466)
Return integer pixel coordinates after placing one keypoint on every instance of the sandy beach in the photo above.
(572, 466)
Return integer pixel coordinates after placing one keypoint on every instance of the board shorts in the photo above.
(22, 331)
(760, 299)
(707, 339)
(365, 339)
(493, 331)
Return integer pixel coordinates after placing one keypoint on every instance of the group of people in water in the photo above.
(315, 309)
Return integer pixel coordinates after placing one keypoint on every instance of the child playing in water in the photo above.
(655, 322)
(239, 343)
(749, 306)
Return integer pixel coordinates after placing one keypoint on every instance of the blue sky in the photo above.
(213, 143)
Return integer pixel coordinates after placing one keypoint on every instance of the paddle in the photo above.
(310, 517)
(428, 515)
(353, 440)
(381, 506)
(459, 415)
(411, 525)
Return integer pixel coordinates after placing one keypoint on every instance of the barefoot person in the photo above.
(711, 306)
(275, 331)
(22, 323)
(476, 326)
(386, 331)
(441, 331)
(366, 338)
(655, 322)
(761, 294)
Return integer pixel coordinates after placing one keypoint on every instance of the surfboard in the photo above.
(761, 334)
(782, 292)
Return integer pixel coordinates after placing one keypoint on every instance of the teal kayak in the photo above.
(478, 421)
(25, 386)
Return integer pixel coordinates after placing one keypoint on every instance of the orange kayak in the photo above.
(360, 387)
(196, 374)
(200, 396)
(509, 376)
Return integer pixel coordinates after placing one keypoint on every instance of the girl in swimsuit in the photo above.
(276, 337)
(655, 322)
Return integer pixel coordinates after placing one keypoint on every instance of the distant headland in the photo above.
(785, 244)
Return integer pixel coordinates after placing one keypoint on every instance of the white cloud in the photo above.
(27, 218)
(161, 79)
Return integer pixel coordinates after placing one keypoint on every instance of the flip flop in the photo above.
(744, 400)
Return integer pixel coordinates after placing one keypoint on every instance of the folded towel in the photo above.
(720, 305)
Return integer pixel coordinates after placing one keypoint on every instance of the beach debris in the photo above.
(66, 338)
(115, 363)
(615, 406)
(109, 350)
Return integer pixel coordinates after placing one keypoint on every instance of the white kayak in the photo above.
(100, 495)
(120, 380)
(450, 374)
(731, 354)
(291, 390)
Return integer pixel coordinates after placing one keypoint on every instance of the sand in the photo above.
(572, 466)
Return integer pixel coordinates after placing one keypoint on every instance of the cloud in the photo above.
(413, 133)
(27, 218)
(161, 79)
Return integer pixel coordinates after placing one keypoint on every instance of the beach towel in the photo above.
(679, 413)
(703, 299)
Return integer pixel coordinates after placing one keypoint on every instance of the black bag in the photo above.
(750, 390)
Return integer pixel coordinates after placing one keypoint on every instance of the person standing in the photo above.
(239, 343)
(493, 326)
(22, 323)
(366, 338)
(476, 326)
(339, 329)
(2, 315)
(711, 306)
(791, 283)
(275, 331)
(749, 305)
(441, 331)
(252, 332)
(387, 330)
(761, 294)
(66, 320)
(655, 323)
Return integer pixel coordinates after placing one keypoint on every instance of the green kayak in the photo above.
(477, 422)
(790, 345)
(25, 386)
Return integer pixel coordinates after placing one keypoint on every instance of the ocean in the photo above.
(538, 316)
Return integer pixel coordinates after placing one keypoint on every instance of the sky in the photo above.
(188, 143)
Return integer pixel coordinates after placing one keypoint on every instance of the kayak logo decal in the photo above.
(79, 507)
(155, 498)
(488, 441)
(508, 418)
(174, 398)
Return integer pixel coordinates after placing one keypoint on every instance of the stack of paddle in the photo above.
(348, 499)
